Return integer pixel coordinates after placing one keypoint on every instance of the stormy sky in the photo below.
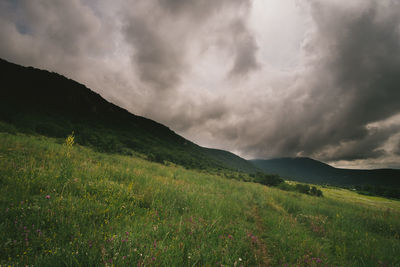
(261, 78)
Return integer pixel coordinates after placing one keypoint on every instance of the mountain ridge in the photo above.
(309, 170)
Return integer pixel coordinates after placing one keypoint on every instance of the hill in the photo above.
(38, 101)
(68, 205)
(312, 171)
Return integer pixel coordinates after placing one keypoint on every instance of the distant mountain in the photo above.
(38, 101)
(312, 171)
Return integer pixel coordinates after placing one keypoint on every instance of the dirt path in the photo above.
(259, 246)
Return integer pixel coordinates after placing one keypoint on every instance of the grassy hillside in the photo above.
(64, 204)
(38, 101)
(311, 171)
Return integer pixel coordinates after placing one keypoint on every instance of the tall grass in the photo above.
(106, 209)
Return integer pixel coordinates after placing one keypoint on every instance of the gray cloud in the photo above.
(245, 49)
(198, 10)
(396, 149)
(162, 31)
(159, 62)
(369, 147)
(185, 115)
(360, 57)
(352, 79)
(50, 32)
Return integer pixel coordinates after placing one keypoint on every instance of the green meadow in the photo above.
(62, 204)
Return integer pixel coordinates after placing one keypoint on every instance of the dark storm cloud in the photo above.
(195, 9)
(397, 149)
(160, 33)
(352, 79)
(369, 147)
(185, 114)
(366, 62)
(362, 58)
(159, 62)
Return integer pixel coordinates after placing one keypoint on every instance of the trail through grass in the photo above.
(94, 209)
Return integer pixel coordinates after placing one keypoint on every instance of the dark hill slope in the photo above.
(311, 171)
(38, 101)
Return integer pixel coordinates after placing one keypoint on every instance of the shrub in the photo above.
(268, 179)
(315, 192)
(303, 188)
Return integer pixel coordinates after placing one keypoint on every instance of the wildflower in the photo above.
(229, 236)
(123, 257)
(127, 233)
(69, 142)
(47, 196)
(155, 244)
(240, 259)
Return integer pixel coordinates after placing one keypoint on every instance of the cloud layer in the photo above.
(259, 78)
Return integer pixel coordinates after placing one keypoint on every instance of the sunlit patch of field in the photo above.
(349, 196)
